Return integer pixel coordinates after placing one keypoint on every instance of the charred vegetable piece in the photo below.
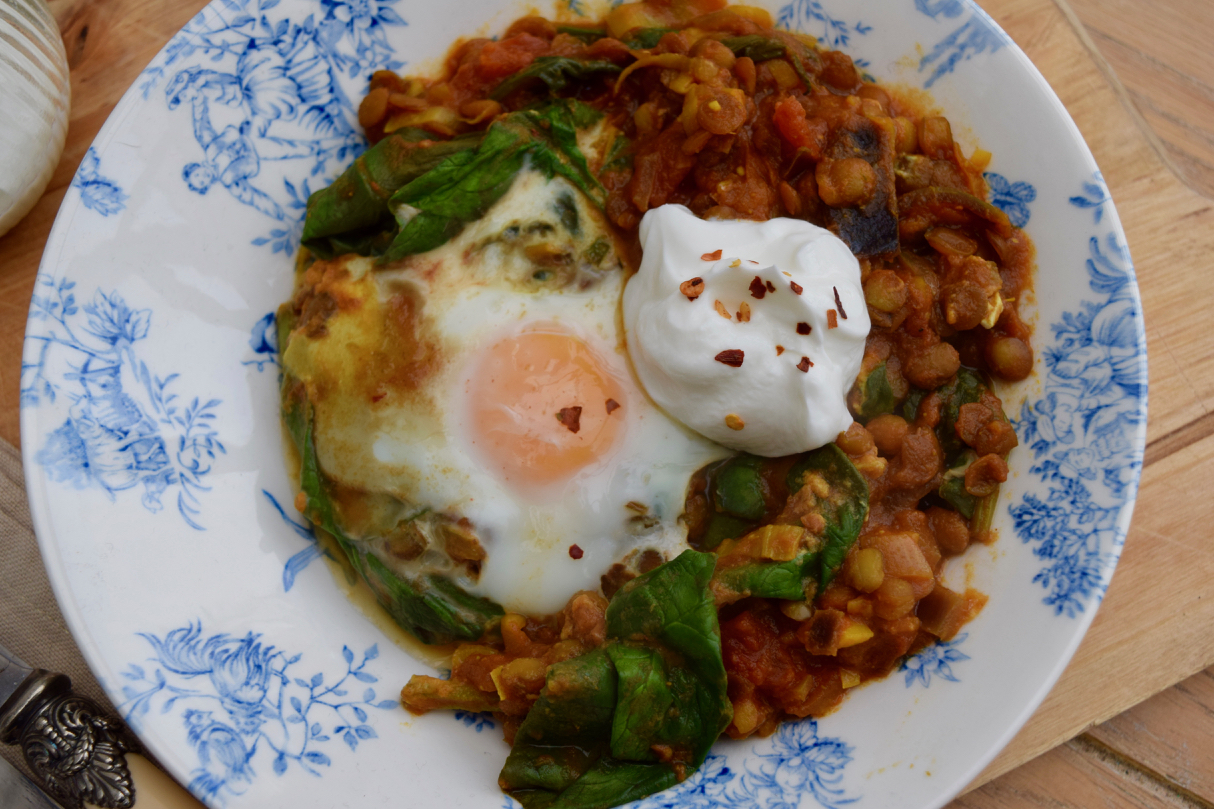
(874, 396)
(352, 213)
(432, 608)
(870, 229)
(591, 740)
(927, 207)
(844, 508)
(556, 73)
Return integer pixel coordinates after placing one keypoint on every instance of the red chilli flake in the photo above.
(571, 417)
(832, 319)
(779, 350)
(715, 255)
(575, 552)
(612, 406)
(839, 303)
(757, 288)
(770, 286)
(797, 289)
(804, 328)
(692, 288)
(804, 365)
(731, 357)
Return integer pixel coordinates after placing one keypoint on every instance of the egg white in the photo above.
(421, 449)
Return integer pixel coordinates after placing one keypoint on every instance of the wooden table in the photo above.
(1094, 741)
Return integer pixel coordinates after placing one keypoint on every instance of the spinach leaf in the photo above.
(725, 526)
(586, 35)
(556, 72)
(592, 738)
(876, 396)
(952, 486)
(844, 508)
(611, 782)
(436, 206)
(755, 46)
(554, 129)
(966, 388)
(566, 731)
(761, 48)
(642, 39)
(347, 215)
(432, 608)
(672, 606)
(787, 580)
(619, 156)
(738, 488)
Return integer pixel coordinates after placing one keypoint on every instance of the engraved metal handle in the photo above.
(84, 757)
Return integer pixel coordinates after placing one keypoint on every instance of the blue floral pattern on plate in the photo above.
(1081, 433)
(264, 94)
(934, 661)
(97, 193)
(1012, 198)
(809, 17)
(263, 340)
(977, 35)
(240, 707)
(300, 560)
(799, 763)
(126, 426)
(1095, 195)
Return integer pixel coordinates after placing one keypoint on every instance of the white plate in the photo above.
(154, 456)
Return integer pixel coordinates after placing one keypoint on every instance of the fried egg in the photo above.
(475, 411)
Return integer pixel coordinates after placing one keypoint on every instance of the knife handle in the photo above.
(84, 757)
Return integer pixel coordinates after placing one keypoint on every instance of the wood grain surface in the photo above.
(1153, 136)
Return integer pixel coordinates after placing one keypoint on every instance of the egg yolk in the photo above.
(543, 407)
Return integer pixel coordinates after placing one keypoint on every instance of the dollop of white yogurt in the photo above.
(741, 348)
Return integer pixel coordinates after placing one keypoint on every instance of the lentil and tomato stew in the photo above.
(811, 573)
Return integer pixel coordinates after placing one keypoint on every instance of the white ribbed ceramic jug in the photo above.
(34, 99)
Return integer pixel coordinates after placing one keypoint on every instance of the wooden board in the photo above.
(1152, 629)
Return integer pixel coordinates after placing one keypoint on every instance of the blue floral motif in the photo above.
(101, 194)
(125, 426)
(265, 99)
(1012, 198)
(977, 35)
(241, 708)
(937, 660)
(479, 721)
(809, 17)
(1095, 195)
(1082, 435)
(264, 342)
(706, 789)
(800, 763)
(302, 559)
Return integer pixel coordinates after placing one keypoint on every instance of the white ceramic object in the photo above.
(154, 455)
(34, 95)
